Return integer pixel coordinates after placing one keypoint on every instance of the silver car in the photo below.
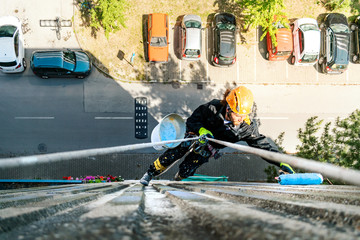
(12, 53)
(191, 37)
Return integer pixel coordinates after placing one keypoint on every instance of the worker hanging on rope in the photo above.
(228, 120)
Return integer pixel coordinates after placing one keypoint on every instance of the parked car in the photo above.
(224, 39)
(158, 37)
(66, 63)
(306, 38)
(355, 28)
(335, 44)
(12, 53)
(191, 37)
(284, 41)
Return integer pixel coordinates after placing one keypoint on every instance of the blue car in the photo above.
(66, 63)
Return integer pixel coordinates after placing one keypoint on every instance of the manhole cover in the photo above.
(42, 147)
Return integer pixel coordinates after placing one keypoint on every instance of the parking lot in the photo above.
(251, 66)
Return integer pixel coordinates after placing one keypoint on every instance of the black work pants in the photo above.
(187, 168)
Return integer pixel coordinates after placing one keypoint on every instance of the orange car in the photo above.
(158, 37)
(284, 46)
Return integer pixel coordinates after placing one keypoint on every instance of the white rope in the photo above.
(347, 175)
(344, 174)
(55, 157)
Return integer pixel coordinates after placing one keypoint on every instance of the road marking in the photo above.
(347, 75)
(287, 69)
(180, 69)
(34, 118)
(255, 55)
(317, 72)
(237, 71)
(272, 118)
(113, 118)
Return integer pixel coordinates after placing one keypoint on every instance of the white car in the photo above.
(12, 53)
(306, 39)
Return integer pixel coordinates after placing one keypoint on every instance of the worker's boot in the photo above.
(286, 169)
(177, 177)
(145, 180)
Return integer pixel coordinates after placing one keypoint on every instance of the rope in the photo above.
(347, 175)
(343, 174)
(55, 157)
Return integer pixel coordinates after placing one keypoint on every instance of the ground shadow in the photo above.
(262, 45)
(177, 36)
(209, 38)
(144, 25)
(84, 8)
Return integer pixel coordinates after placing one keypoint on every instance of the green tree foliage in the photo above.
(261, 13)
(339, 146)
(337, 5)
(108, 14)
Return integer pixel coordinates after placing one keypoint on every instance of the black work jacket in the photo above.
(211, 116)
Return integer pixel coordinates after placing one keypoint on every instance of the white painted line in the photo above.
(272, 118)
(180, 69)
(317, 72)
(113, 118)
(255, 55)
(237, 70)
(34, 118)
(287, 69)
(347, 75)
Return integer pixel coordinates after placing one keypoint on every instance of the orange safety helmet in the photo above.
(240, 100)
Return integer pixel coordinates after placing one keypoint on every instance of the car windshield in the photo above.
(7, 31)
(69, 60)
(309, 27)
(192, 52)
(283, 53)
(192, 24)
(307, 58)
(8, 64)
(340, 28)
(158, 41)
(226, 26)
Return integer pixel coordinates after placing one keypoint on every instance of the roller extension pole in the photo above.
(349, 176)
(55, 157)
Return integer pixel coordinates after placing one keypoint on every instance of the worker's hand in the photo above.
(204, 133)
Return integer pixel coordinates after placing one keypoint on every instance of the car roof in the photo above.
(342, 49)
(48, 59)
(193, 36)
(312, 41)
(7, 52)
(284, 39)
(158, 24)
(191, 17)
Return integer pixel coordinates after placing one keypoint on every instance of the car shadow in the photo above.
(209, 37)
(177, 36)
(144, 24)
(262, 43)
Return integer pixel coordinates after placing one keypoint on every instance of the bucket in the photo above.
(171, 127)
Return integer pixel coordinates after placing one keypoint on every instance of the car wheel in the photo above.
(322, 25)
(321, 60)
(293, 60)
(267, 55)
(24, 63)
(355, 58)
(44, 77)
(353, 27)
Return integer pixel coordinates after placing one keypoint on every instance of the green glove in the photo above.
(204, 133)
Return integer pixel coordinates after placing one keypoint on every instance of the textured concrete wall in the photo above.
(238, 167)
